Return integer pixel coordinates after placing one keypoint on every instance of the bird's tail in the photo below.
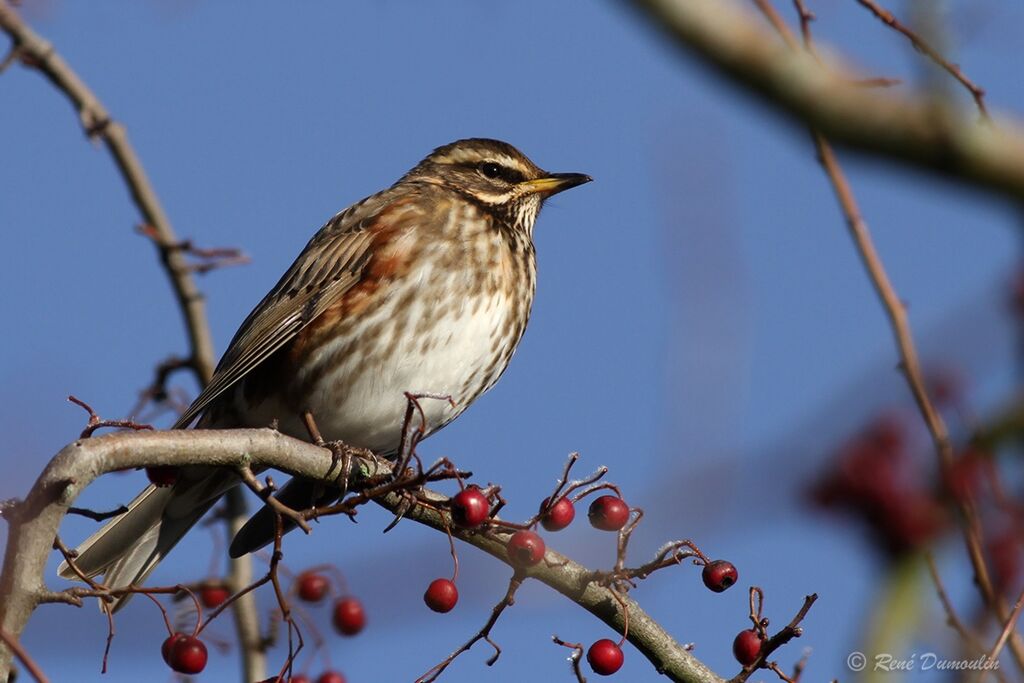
(260, 530)
(130, 547)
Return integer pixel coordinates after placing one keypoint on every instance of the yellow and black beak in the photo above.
(553, 183)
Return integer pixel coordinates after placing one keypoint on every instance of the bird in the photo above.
(426, 286)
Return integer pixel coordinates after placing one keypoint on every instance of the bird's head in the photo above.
(496, 176)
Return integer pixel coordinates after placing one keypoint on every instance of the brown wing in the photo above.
(330, 264)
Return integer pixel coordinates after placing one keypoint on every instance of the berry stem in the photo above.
(483, 634)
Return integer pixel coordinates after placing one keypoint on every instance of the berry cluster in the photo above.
(472, 509)
(187, 654)
(347, 613)
(876, 477)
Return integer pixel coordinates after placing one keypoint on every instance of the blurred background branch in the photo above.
(914, 129)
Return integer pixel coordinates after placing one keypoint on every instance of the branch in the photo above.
(890, 20)
(34, 524)
(97, 123)
(787, 633)
(897, 315)
(244, 611)
(1004, 635)
(968, 636)
(23, 657)
(912, 129)
(483, 634)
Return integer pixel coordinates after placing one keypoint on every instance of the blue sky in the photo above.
(702, 325)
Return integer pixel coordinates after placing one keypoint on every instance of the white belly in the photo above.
(361, 400)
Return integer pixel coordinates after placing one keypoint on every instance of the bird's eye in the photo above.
(491, 170)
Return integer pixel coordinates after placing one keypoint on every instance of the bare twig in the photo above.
(806, 17)
(890, 20)
(23, 657)
(968, 636)
(244, 611)
(801, 664)
(282, 600)
(207, 259)
(266, 494)
(483, 634)
(787, 633)
(669, 555)
(1004, 635)
(97, 122)
(574, 658)
(96, 422)
(157, 391)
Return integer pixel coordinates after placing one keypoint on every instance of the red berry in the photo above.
(470, 508)
(213, 596)
(608, 513)
(441, 595)
(312, 587)
(525, 548)
(349, 617)
(605, 657)
(559, 516)
(162, 475)
(330, 677)
(187, 655)
(165, 649)
(719, 575)
(747, 646)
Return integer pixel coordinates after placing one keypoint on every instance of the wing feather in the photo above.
(330, 264)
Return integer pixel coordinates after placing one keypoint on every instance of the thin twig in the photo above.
(952, 619)
(789, 632)
(911, 368)
(890, 20)
(1004, 635)
(245, 612)
(97, 122)
(23, 657)
(900, 325)
(266, 494)
(574, 658)
(483, 634)
(96, 422)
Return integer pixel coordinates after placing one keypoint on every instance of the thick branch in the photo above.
(913, 129)
(34, 524)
